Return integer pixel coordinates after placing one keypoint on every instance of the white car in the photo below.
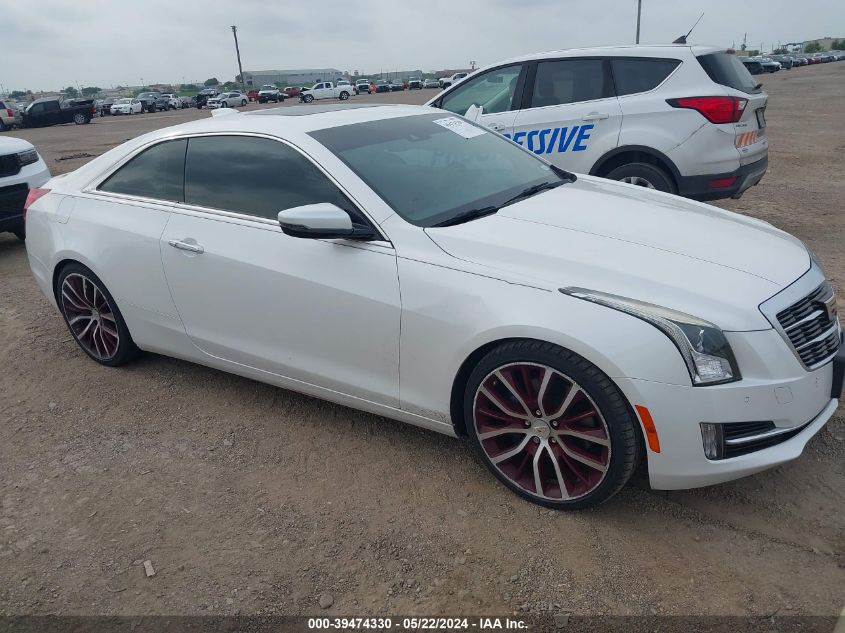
(682, 119)
(21, 169)
(173, 101)
(228, 100)
(127, 106)
(408, 263)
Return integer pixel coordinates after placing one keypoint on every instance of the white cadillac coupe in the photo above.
(409, 263)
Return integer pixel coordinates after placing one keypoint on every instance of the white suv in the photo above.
(21, 169)
(688, 120)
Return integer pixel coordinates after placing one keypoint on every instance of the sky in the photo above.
(50, 44)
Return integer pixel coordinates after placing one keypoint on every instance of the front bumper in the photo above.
(13, 192)
(699, 187)
(774, 388)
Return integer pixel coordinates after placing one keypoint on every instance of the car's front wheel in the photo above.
(643, 175)
(92, 316)
(308, 98)
(550, 425)
(344, 96)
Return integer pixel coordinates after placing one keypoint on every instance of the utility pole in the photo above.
(238, 51)
(639, 13)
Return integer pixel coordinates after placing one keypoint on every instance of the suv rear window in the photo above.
(726, 69)
(640, 75)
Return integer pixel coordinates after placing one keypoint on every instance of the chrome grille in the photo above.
(811, 326)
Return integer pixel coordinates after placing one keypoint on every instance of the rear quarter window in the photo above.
(157, 173)
(640, 75)
(727, 70)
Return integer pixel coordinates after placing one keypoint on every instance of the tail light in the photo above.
(93, 108)
(714, 109)
(31, 197)
(9, 112)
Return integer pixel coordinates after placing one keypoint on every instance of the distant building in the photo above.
(296, 77)
(824, 42)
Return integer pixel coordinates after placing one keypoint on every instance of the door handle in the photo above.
(595, 116)
(185, 246)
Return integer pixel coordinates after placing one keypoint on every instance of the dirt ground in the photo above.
(249, 499)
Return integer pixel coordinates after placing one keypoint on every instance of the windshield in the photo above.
(125, 101)
(430, 168)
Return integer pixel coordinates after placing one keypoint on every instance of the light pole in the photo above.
(238, 52)
(639, 14)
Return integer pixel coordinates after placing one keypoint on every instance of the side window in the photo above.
(569, 81)
(157, 172)
(52, 106)
(37, 108)
(493, 91)
(640, 75)
(256, 176)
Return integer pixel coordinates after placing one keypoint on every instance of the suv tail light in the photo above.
(9, 113)
(31, 197)
(714, 109)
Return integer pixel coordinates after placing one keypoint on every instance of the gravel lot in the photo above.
(254, 500)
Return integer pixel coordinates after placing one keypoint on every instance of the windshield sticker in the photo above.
(459, 127)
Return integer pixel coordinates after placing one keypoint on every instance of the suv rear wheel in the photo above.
(643, 175)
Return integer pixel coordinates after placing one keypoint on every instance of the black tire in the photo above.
(126, 350)
(80, 119)
(344, 96)
(308, 98)
(624, 450)
(644, 174)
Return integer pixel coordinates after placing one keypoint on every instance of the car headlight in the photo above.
(703, 346)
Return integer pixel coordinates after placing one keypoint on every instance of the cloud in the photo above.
(48, 44)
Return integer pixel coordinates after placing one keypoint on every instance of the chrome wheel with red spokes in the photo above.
(92, 316)
(542, 431)
(89, 316)
(550, 425)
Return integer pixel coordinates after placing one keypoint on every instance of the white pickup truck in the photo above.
(326, 90)
(445, 82)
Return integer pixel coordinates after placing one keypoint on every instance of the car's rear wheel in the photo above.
(550, 425)
(80, 119)
(243, 103)
(92, 317)
(344, 96)
(643, 175)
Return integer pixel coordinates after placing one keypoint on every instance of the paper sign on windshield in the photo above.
(459, 127)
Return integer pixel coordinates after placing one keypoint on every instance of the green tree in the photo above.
(70, 91)
(17, 94)
(90, 91)
(812, 47)
(190, 87)
(211, 82)
(837, 45)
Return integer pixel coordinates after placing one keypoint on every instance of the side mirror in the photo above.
(321, 221)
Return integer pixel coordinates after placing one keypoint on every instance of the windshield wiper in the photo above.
(466, 216)
(532, 190)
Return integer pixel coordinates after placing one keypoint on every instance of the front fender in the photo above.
(448, 314)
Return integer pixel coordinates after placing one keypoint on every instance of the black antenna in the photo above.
(683, 38)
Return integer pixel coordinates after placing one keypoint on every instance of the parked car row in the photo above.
(773, 63)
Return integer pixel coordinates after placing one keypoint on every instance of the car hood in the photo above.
(636, 243)
(13, 145)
